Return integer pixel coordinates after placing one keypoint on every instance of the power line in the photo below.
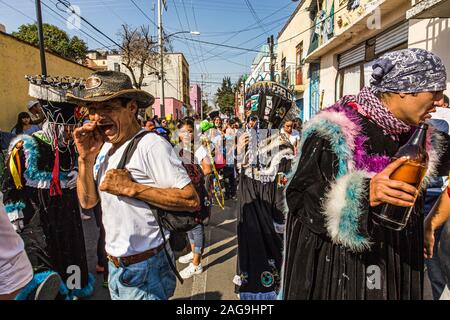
(63, 18)
(189, 28)
(217, 44)
(181, 27)
(239, 31)
(68, 5)
(253, 12)
(145, 15)
(17, 10)
(196, 27)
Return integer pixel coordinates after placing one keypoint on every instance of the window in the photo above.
(299, 65)
(116, 67)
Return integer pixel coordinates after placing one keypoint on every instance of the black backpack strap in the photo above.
(128, 152)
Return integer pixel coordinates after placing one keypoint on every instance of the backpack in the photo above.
(174, 221)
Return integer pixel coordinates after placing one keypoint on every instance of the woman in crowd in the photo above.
(23, 125)
(342, 178)
(291, 134)
(198, 165)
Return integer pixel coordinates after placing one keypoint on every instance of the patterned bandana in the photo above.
(409, 71)
(368, 105)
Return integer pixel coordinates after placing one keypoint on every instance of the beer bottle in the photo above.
(412, 172)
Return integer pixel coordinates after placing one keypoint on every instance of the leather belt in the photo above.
(126, 261)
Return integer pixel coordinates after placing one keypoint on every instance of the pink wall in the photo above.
(171, 107)
(195, 98)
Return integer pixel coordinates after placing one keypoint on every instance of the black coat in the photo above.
(316, 267)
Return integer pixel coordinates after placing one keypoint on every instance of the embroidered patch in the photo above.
(267, 279)
(93, 82)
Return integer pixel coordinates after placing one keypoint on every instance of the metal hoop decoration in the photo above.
(217, 186)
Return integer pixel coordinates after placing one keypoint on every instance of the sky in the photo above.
(238, 23)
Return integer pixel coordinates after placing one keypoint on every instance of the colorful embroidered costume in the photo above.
(41, 201)
(333, 247)
(261, 215)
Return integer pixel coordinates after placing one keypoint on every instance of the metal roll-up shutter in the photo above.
(392, 38)
(352, 56)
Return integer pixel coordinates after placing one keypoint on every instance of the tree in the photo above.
(140, 53)
(225, 96)
(206, 109)
(55, 40)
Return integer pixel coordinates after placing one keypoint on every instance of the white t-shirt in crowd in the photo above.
(130, 225)
(15, 268)
(294, 137)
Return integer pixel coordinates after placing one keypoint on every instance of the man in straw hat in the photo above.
(138, 266)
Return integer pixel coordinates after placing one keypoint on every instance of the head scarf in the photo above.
(408, 71)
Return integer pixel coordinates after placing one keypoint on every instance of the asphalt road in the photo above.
(219, 259)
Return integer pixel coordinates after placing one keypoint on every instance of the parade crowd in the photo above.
(312, 198)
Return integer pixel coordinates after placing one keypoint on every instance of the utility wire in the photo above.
(218, 44)
(17, 10)
(253, 12)
(145, 15)
(68, 5)
(64, 19)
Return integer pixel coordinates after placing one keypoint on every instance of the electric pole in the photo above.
(201, 99)
(41, 37)
(161, 52)
(272, 57)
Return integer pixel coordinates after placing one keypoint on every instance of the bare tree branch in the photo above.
(139, 51)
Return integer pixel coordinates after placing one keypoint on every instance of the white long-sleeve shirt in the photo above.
(15, 268)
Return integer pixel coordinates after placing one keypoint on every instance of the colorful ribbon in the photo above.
(15, 167)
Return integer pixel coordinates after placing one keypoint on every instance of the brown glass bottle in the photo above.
(412, 172)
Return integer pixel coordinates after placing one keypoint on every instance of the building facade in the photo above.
(293, 44)
(17, 59)
(260, 69)
(196, 98)
(96, 60)
(176, 84)
(363, 31)
(429, 28)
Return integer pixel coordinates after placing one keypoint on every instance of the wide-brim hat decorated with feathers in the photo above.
(102, 86)
(51, 92)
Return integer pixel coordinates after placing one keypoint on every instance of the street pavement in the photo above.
(219, 259)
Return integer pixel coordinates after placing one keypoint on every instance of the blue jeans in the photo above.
(152, 279)
(196, 238)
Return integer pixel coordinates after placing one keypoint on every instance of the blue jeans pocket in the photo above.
(134, 275)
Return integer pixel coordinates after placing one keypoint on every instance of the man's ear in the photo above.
(133, 106)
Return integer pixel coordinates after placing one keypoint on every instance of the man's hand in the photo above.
(243, 140)
(385, 190)
(118, 182)
(88, 141)
(428, 241)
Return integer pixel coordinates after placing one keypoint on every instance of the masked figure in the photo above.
(40, 196)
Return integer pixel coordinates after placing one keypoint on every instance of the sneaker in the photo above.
(187, 258)
(49, 288)
(190, 270)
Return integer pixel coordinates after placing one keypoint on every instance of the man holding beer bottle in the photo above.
(341, 241)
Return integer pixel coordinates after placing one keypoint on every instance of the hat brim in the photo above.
(143, 98)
